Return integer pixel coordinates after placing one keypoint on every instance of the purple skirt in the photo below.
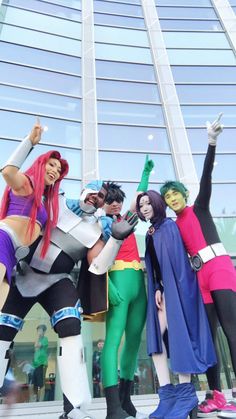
(7, 254)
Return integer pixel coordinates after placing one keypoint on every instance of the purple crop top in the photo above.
(21, 206)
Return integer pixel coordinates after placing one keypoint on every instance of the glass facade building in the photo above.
(114, 81)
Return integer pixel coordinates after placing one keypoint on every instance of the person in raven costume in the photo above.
(215, 271)
(48, 282)
(174, 306)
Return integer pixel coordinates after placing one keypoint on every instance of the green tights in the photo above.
(129, 317)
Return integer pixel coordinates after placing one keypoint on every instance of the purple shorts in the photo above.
(7, 254)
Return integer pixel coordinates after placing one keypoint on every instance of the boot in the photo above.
(126, 403)
(76, 413)
(167, 400)
(73, 375)
(186, 402)
(114, 409)
(214, 402)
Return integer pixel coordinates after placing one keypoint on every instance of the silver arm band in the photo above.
(19, 155)
(101, 263)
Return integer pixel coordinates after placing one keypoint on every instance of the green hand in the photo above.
(148, 167)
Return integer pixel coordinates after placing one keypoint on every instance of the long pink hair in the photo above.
(36, 173)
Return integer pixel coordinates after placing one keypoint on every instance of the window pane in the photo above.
(206, 93)
(197, 115)
(186, 12)
(196, 40)
(40, 79)
(40, 103)
(40, 40)
(124, 1)
(72, 156)
(110, 69)
(221, 199)
(72, 188)
(225, 206)
(227, 228)
(39, 58)
(148, 139)
(43, 6)
(119, 8)
(102, 19)
(192, 25)
(44, 23)
(130, 113)
(121, 36)
(17, 125)
(133, 164)
(204, 74)
(123, 53)
(183, 2)
(127, 91)
(201, 57)
(198, 139)
(224, 167)
(76, 4)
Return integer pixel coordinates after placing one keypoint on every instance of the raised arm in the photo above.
(10, 171)
(143, 184)
(204, 195)
(119, 231)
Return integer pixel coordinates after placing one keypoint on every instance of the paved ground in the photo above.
(52, 410)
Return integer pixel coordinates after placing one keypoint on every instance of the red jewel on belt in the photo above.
(151, 230)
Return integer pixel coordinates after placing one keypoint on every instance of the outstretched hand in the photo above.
(122, 229)
(149, 165)
(36, 132)
(214, 129)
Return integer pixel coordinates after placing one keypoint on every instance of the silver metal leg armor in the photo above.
(77, 414)
(73, 371)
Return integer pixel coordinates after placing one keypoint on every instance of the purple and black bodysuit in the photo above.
(9, 242)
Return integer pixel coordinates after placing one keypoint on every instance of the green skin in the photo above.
(129, 317)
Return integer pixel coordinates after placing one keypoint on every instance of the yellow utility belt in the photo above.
(120, 265)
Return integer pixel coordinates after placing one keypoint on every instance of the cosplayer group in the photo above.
(191, 282)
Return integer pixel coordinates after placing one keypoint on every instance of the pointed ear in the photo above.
(186, 195)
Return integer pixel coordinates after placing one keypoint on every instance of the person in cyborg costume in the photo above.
(48, 282)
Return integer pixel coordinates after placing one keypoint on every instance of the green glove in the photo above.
(148, 166)
(114, 296)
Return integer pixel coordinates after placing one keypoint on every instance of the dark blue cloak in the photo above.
(191, 349)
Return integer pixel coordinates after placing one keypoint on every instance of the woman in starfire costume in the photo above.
(30, 202)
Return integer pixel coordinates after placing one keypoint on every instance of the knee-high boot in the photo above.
(114, 409)
(73, 377)
(167, 400)
(126, 402)
(186, 402)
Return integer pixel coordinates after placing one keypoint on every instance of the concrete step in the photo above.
(145, 403)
